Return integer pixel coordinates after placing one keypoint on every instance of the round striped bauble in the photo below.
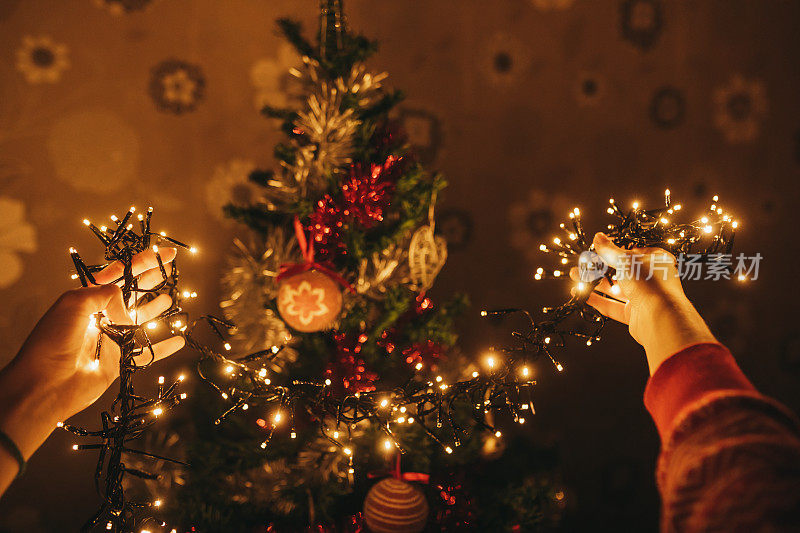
(394, 506)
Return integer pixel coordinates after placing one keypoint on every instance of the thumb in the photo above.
(106, 298)
(610, 252)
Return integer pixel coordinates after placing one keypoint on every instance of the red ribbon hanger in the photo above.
(397, 473)
(307, 251)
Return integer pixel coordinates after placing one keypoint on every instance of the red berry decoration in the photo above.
(309, 301)
(394, 506)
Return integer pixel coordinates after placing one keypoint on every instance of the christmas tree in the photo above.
(331, 293)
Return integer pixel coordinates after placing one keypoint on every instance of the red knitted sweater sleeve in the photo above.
(730, 457)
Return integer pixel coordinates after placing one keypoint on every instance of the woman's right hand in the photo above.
(649, 299)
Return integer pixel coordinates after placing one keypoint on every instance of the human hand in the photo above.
(55, 374)
(649, 299)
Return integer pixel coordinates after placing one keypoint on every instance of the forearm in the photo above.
(28, 415)
(678, 326)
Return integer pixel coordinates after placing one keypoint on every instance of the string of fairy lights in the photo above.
(426, 399)
(708, 238)
(130, 414)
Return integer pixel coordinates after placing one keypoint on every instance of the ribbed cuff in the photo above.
(686, 377)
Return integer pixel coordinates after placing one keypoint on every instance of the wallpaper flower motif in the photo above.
(230, 184)
(667, 107)
(456, 225)
(590, 88)
(642, 22)
(177, 86)
(41, 60)
(271, 78)
(424, 132)
(740, 106)
(503, 59)
(535, 220)
(16, 235)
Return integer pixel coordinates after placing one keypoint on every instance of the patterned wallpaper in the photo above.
(529, 106)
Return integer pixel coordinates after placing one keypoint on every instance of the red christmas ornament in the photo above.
(428, 353)
(348, 370)
(454, 507)
(395, 506)
(367, 191)
(366, 195)
(309, 293)
(309, 301)
(324, 227)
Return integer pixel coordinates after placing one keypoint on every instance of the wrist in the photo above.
(678, 326)
(27, 410)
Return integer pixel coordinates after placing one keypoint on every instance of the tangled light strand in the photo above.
(129, 414)
(421, 401)
(709, 238)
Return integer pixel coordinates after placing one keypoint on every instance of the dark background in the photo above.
(529, 106)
